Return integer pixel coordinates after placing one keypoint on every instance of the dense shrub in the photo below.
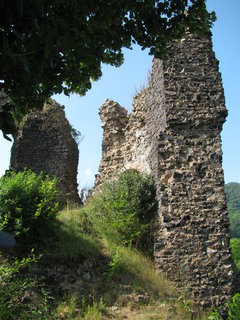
(27, 203)
(125, 208)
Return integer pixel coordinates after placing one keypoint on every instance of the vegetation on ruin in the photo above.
(123, 283)
(120, 280)
(84, 267)
(233, 310)
(50, 47)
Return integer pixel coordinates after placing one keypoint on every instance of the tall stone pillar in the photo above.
(114, 121)
(185, 114)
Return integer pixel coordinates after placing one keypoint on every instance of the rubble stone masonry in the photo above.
(173, 132)
(44, 143)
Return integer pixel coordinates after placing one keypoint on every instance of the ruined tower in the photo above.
(192, 242)
(184, 111)
(44, 143)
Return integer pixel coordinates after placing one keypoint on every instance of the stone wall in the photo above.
(114, 121)
(192, 243)
(125, 142)
(44, 143)
(174, 133)
(137, 147)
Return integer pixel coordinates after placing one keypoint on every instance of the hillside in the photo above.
(95, 263)
(232, 190)
(83, 275)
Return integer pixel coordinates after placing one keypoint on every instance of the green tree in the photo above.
(234, 219)
(54, 46)
(235, 246)
(232, 191)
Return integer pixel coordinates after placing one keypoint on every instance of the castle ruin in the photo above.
(173, 133)
(44, 143)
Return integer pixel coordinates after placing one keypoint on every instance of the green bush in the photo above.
(125, 208)
(235, 246)
(22, 297)
(27, 203)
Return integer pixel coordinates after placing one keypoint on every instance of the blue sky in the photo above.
(121, 84)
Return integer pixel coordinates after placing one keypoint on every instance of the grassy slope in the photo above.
(91, 276)
(123, 282)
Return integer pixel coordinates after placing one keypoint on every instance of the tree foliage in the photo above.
(50, 47)
(234, 218)
(235, 247)
(232, 191)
